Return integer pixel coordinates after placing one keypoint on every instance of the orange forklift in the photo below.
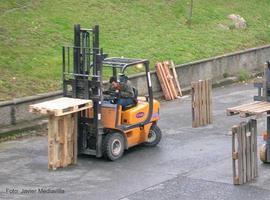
(106, 129)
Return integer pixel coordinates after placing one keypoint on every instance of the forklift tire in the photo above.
(154, 136)
(113, 146)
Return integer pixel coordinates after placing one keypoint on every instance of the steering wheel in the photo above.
(110, 96)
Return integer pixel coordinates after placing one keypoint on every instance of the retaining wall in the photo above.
(215, 68)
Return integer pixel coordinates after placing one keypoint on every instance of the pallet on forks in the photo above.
(70, 129)
(62, 128)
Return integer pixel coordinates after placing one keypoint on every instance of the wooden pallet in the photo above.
(62, 128)
(61, 106)
(201, 103)
(62, 141)
(163, 82)
(257, 108)
(244, 152)
(168, 80)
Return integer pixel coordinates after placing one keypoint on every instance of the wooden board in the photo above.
(201, 94)
(176, 79)
(61, 106)
(257, 108)
(244, 152)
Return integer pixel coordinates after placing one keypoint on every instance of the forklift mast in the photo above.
(84, 80)
(267, 98)
(264, 95)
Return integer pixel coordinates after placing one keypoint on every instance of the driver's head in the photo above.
(114, 82)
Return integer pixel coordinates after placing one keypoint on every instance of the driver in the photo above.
(123, 91)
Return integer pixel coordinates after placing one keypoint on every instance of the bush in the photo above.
(243, 75)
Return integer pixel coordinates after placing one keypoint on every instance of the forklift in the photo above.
(107, 129)
(264, 95)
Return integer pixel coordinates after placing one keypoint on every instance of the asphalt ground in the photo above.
(189, 163)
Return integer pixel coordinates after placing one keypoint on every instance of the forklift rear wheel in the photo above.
(263, 156)
(113, 146)
(154, 136)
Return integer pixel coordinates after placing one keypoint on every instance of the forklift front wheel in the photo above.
(154, 136)
(113, 146)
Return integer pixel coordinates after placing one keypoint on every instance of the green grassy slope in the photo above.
(32, 33)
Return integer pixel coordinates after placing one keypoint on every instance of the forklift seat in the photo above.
(135, 101)
(135, 93)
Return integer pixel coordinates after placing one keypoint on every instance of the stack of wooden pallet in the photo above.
(201, 95)
(62, 128)
(168, 80)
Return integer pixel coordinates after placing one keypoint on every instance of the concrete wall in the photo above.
(16, 111)
(252, 60)
(214, 68)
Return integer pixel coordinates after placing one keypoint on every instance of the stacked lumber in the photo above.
(168, 80)
(244, 152)
(201, 103)
(62, 128)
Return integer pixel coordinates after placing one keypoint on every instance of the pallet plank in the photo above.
(75, 138)
(200, 102)
(252, 158)
(193, 104)
(240, 153)
(235, 177)
(176, 79)
(244, 143)
(254, 125)
(248, 152)
(210, 101)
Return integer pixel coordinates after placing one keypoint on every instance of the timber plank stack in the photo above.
(168, 80)
(62, 128)
(244, 152)
(201, 101)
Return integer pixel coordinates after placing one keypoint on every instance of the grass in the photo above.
(33, 31)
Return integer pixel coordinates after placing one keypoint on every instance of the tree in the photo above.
(190, 13)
